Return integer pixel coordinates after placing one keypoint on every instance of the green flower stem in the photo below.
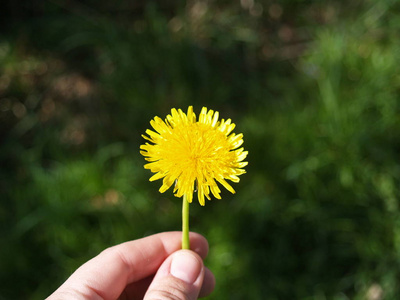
(185, 224)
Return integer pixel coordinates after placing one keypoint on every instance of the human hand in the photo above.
(153, 267)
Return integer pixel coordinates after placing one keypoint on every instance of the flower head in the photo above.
(194, 155)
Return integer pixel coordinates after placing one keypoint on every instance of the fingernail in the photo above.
(186, 266)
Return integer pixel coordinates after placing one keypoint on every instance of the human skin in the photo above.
(153, 267)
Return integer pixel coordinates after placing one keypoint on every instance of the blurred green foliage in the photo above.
(314, 86)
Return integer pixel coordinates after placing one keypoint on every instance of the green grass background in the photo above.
(314, 86)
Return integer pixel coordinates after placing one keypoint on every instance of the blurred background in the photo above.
(314, 86)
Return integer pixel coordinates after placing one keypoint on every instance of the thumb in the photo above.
(180, 277)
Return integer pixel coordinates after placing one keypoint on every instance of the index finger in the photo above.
(107, 274)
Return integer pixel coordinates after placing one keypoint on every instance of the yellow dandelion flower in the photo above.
(194, 155)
